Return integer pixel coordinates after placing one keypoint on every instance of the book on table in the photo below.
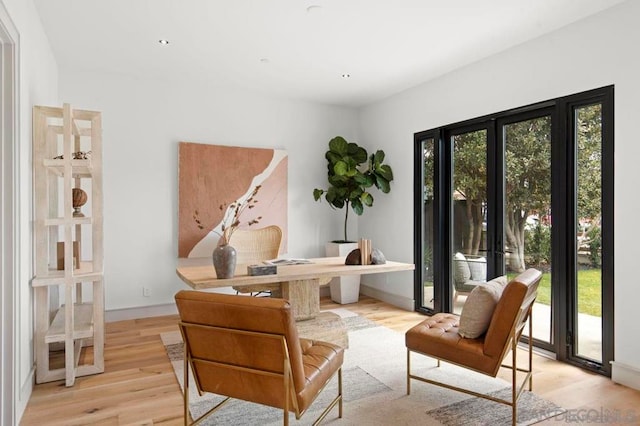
(286, 261)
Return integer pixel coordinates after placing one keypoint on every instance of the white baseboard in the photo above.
(171, 309)
(392, 299)
(625, 375)
(153, 310)
(140, 312)
(25, 393)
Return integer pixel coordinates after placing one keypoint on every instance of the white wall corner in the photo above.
(625, 375)
(406, 303)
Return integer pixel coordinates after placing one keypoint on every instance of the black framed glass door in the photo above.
(525, 153)
(530, 187)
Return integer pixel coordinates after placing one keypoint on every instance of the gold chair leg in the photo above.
(514, 390)
(287, 394)
(531, 348)
(185, 396)
(188, 421)
(340, 392)
(336, 400)
(408, 372)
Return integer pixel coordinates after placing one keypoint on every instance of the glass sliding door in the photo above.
(527, 211)
(588, 290)
(469, 204)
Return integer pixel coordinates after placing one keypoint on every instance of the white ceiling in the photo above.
(298, 48)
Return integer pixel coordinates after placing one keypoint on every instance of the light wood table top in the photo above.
(199, 274)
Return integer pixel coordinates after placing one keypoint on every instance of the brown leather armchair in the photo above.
(248, 348)
(438, 338)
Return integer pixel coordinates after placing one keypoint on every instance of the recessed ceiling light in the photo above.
(264, 60)
(346, 75)
(314, 8)
(163, 41)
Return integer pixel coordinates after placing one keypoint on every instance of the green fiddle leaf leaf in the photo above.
(382, 184)
(363, 180)
(332, 157)
(338, 203)
(386, 172)
(338, 181)
(378, 157)
(359, 155)
(339, 146)
(352, 172)
(317, 193)
(356, 193)
(341, 168)
(367, 199)
(331, 195)
(357, 207)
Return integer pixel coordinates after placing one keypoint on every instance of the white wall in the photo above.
(143, 121)
(38, 77)
(599, 51)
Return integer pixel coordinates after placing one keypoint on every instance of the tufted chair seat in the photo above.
(439, 337)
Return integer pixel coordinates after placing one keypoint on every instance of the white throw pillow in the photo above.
(461, 271)
(478, 268)
(479, 306)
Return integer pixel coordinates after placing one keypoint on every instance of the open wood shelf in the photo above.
(82, 323)
(65, 317)
(79, 168)
(56, 277)
(59, 221)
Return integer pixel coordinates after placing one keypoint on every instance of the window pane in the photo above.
(527, 216)
(428, 149)
(469, 200)
(588, 131)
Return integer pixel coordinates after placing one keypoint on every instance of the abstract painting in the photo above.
(211, 176)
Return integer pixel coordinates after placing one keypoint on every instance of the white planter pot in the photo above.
(343, 289)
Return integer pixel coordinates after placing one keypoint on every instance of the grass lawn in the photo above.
(589, 301)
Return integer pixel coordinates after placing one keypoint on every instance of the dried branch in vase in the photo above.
(232, 216)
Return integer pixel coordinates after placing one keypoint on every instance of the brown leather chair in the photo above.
(248, 348)
(438, 338)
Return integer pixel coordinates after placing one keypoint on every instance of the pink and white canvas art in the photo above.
(210, 176)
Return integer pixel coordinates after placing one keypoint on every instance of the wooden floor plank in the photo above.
(139, 387)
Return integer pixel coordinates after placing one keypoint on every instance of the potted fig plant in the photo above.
(351, 175)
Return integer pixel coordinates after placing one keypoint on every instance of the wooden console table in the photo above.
(300, 283)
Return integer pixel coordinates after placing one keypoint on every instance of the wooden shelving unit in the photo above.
(68, 281)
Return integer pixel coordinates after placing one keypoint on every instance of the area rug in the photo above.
(374, 384)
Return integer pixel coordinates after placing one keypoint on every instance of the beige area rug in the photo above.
(374, 384)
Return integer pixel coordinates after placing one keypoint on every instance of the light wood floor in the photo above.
(138, 386)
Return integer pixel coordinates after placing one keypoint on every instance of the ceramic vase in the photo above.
(224, 261)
